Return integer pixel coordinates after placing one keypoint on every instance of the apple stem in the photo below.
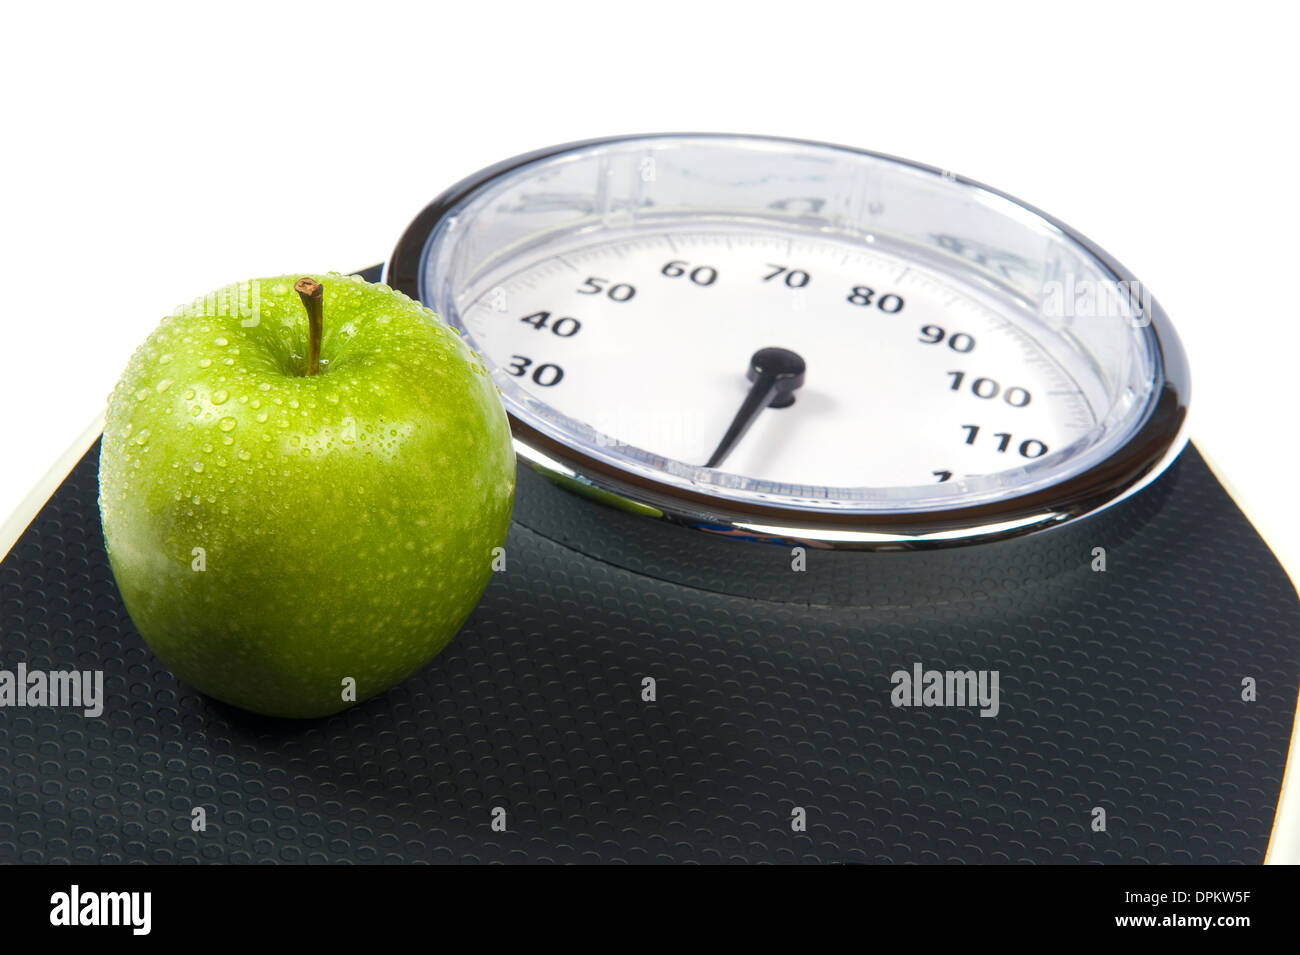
(313, 299)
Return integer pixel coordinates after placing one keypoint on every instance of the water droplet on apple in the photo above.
(189, 393)
(198, 469)
(261, 416)
(205, 362)
(263, 387)
(165, 359)
(221, 340)
(163, 385)
(219, 396)
(243, 455)
(227, 424)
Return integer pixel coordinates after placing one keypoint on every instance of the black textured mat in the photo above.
(1119, 690)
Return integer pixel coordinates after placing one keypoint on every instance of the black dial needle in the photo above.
(776, 374)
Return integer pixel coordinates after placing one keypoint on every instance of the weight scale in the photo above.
(795, 423)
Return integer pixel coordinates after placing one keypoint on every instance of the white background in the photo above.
(151, 154)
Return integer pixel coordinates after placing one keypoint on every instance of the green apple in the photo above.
(298, 519)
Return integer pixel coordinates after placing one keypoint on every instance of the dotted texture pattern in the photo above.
(1119, 690)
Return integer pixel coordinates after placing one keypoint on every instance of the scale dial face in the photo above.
(966, 367)
(911, 378)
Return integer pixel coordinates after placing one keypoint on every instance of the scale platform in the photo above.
(1122, 691)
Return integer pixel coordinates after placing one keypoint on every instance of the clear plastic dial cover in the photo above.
(960, 349)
